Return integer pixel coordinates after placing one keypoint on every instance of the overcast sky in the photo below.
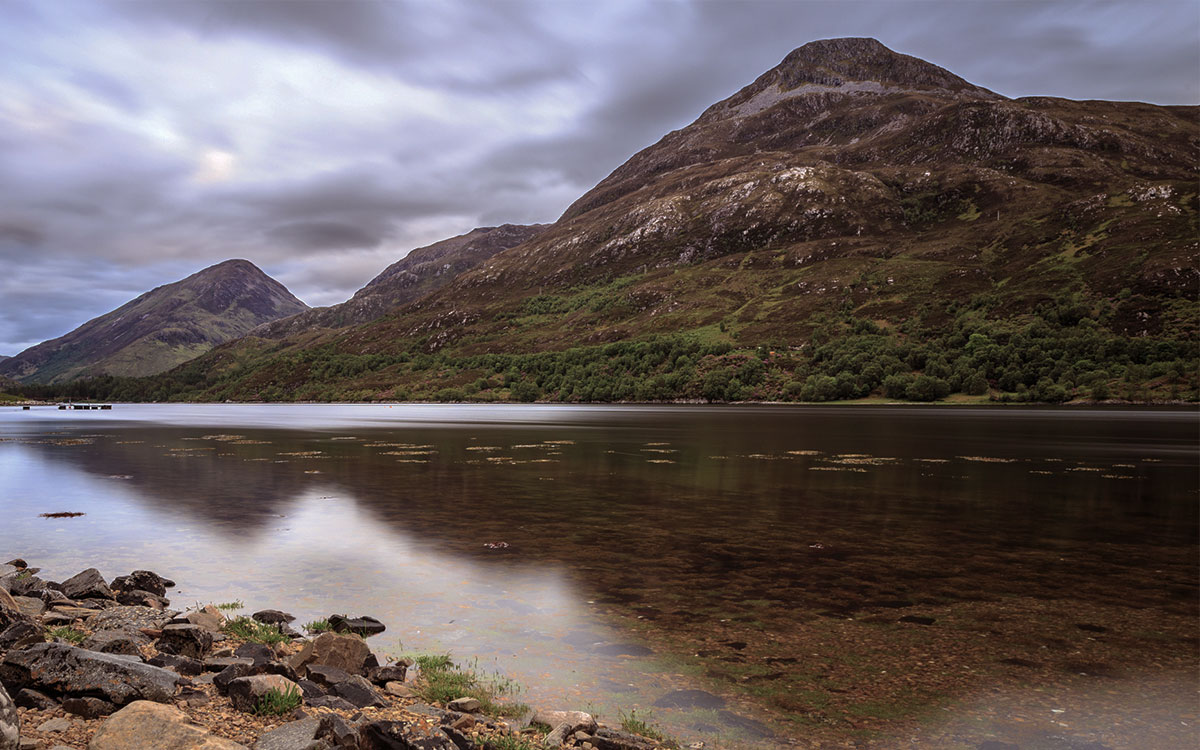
(322, 140)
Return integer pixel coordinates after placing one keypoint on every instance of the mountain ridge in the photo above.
(161, 328)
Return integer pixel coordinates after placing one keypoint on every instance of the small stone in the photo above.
(398, 689)
(577, 720)
(55, 725)
(465, 705)
(220, 664)
(256, 651)
(295, 735)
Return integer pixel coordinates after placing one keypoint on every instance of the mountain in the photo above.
(853, 222)
(162, 328)
(420, 272)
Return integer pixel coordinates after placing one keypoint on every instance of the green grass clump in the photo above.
(634, 724)
(276, 702)
(318, 626)
(511, 742)
(68, 633)
(441, 681)
(257, 632)
(231, 606)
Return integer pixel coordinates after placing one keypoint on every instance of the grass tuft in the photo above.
(441, 681)
(231, 606)
(634, 724)
(318, 626)
(276, 702)
(257, 632)
(511, 742)
(68, 633)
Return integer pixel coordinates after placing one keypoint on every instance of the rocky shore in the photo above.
(91, 664)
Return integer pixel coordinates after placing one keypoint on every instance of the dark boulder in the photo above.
(258, 652)
(124, 641)
(359, 693)
(144, 580)
(189, 640)
(391, 673)
(611, 739)
(364, 626)
(140, 598)
(21, 634)
(67, 670)
(86, 585)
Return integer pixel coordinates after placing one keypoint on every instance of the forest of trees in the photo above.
(1063, 352)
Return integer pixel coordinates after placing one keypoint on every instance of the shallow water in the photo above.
(606, 556)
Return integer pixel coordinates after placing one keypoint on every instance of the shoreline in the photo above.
(86, 664)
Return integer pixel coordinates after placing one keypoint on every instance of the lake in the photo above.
(749, 576)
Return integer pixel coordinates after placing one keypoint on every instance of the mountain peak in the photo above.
(856, 62)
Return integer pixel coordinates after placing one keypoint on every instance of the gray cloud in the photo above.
(141, 141)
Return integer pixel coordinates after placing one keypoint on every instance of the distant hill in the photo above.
(422, 271)
(162, 328)
(854, 222)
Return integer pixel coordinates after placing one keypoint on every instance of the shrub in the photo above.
(276, 702)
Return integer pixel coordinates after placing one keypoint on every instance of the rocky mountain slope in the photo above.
(162, 328)
(420, 272)
(851, 206)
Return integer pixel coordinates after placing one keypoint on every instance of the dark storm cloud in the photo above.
(141, 141)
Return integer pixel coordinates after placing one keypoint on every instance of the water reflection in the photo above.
(750, 539)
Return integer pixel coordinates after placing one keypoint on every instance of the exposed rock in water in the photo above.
(363, 625)
(273, 617)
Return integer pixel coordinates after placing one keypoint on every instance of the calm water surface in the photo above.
(601, 554)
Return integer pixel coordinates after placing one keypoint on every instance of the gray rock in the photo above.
(577, 720)
(88, 707)
(358, 692)
(229, 674)
(296, 735)
(389, 735)
(465, 705)
(391, 673)
(55, 725)
(144, 580)
(180, 664)
(30, 606)
(273, 617)
(28, 585)
(130, 617)
(62, 669)
(331, 701)
(51, 597)
(86, 585)
(558, 736)
(256, 651)
(209, 618)
(245, 692)
(124, 641)
(21, 634)
(327, 676)
(398, 689)
(10, 723)
(189, 640)
(221, 663)
(139, 598)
